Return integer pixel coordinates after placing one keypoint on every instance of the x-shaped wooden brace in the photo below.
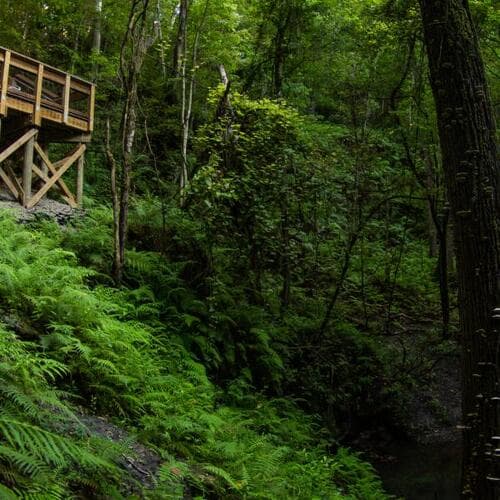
(8, 151)
(57, 173)
(57, 170)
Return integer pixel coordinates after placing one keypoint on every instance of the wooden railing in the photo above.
(46, 93)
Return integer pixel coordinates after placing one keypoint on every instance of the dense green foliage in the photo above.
(285, 301)
(106, 351)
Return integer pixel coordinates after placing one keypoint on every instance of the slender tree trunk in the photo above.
(114, 197)
(467, 134)
(433, 239)
(133, 52)
(96, 42)
(280, 52)
(129, 131)
(187, 86)
(431, 187)
(186, 107)
(180, 43)
(158, 25)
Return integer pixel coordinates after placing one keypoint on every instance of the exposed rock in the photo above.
(141, 463)
(46, 208)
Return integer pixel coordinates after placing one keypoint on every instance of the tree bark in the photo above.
(132, 54)
(96, 42)
(187, 91)
(180, 49)
(467, 135)
(114, 197)
(187, 95)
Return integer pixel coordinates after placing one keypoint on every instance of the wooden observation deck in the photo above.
(40, 105)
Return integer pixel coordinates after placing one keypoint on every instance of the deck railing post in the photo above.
(28, 170)
(67, 93)
(91, 108)
(5, 83)
(79, 180)
(37, 114)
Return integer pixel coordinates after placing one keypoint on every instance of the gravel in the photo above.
(46, 208)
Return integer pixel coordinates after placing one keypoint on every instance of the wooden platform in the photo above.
(39, 105)
(45, 93)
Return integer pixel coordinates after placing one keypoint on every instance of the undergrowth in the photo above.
(70, 343)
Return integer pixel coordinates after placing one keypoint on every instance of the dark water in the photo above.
(419, 472)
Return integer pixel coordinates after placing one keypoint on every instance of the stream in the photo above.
(422, 472)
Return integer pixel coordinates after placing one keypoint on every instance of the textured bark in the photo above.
(187, 90)
(444, 291)
(114, 197)
(96, 41)
(132, 54)
(467, 135)
(180, 43)
(186, 94)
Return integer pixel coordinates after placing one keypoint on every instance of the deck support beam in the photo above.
(45, 167)
(49, 172)
(28, 170)
(5, 83)
(79, 180)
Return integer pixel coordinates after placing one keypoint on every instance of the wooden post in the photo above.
(67, 93)
(91, 108)
(5, 83)
(37, 115)
(79, 180)
(28, 170)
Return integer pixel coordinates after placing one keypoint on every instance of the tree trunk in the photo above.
(467, 135)
(96, 42)
(114, 198)
(188, 92)
(132, 54)
(444, 289)
(179, 49)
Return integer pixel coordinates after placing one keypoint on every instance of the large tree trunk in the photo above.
(467, 134)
